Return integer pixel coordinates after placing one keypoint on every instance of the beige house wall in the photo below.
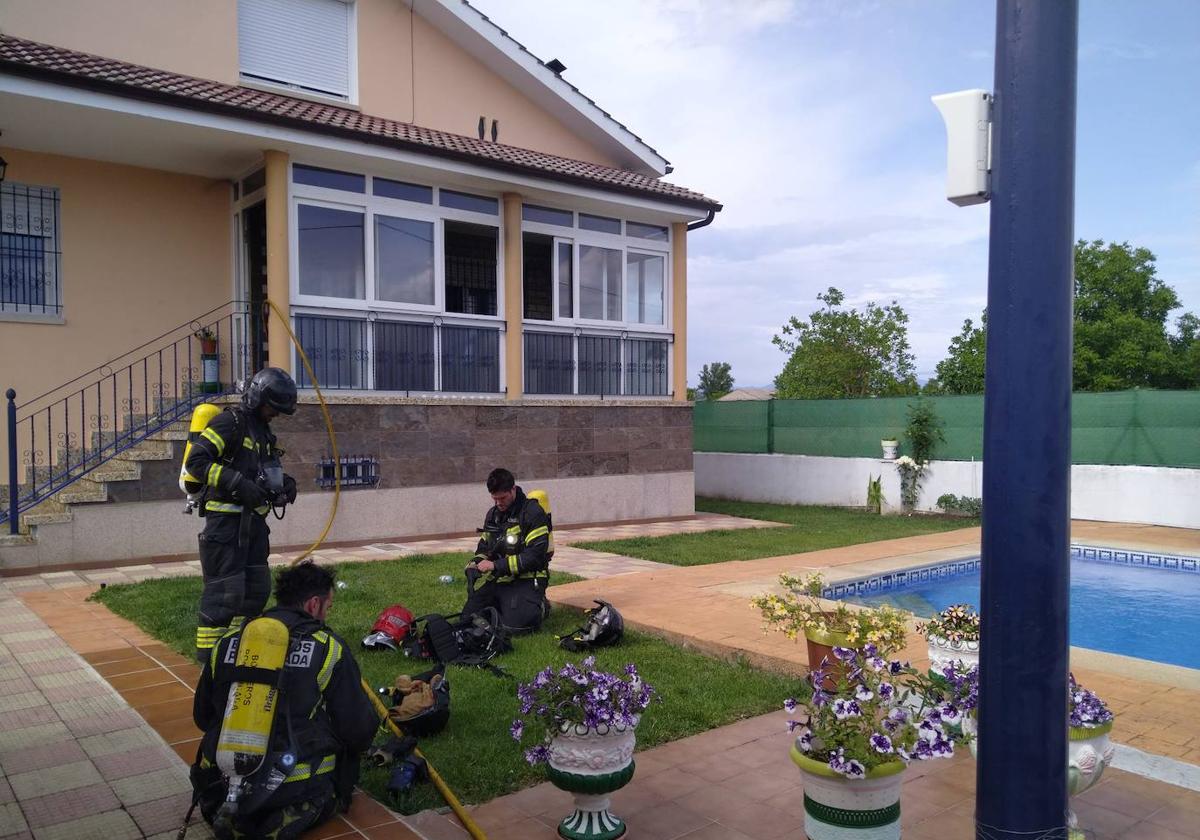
(184, 36)
(142, 251)
(407, 69)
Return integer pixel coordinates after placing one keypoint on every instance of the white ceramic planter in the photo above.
(943, 652)
(591, 764)
(889, 449)
(1089, 751)
(837, 808)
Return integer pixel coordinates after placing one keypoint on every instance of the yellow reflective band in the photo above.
(516, 529)
(512, 564)
(223, 507)
(537, 532)
(248, 443)
(332, 655)
(236, 622)
(215, 439)
(214, 474)
(303, 770)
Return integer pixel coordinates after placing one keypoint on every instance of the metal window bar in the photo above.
(470, 359)
(599, 365)
(404, 356)
(338, 350)
(549, 363)
(645, 367)
(65, 433)
(30, 252)
(355, 471)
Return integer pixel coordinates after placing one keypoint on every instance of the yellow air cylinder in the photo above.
(250, 711)
(543, 498)
(201, 417)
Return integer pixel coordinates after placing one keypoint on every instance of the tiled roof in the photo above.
(67, 67)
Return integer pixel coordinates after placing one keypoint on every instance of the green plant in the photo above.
(924, 431)
(964, 505)
(800, 611)
(875, 494)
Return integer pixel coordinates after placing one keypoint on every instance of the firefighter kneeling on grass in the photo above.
(511, 566)
(284, 717)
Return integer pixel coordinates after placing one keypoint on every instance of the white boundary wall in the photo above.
(1146, 495)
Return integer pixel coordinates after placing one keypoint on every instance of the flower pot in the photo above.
(889, 449)
(208, 346)
(837, 808)
(591, 763)
(820, 647)
(943, 653)
(1089, 751)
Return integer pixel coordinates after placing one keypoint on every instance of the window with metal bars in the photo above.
(30, 255)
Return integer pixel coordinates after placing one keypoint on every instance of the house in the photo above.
(482, 266)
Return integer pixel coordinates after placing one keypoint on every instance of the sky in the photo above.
(810, 121)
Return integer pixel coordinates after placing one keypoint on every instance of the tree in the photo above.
(715, 381)
(1121, 338)
(961, 372)
(1121, 310)
(844, 353)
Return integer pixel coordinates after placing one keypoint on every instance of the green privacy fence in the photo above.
(1154, 428)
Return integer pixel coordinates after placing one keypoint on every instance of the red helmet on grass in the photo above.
(390, 630)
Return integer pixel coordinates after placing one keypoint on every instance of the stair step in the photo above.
(148, 450)
(48, 518)
(115, 471)
(176, 432)
(16, 540)
(83, 492)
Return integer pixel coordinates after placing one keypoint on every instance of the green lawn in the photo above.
(475, 754)
(809, 528)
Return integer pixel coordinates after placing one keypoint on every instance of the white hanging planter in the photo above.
(943, 653)
(591, 764)
(837, 808)
(889, 449)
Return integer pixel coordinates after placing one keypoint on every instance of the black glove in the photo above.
(251, 494)
(289, 488)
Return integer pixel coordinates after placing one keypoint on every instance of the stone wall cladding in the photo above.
(434, 444)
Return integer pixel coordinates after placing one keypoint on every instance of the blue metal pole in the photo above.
(13, 489)
(1022, 769)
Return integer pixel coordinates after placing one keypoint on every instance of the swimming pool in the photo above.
(1134, 603)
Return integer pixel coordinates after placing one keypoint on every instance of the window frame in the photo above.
(51, 254)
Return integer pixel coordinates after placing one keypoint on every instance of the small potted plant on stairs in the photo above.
(210, 362)
(586, 721)
(856, 740)
(801, 611)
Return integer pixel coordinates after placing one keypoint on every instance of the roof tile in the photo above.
(30, 58)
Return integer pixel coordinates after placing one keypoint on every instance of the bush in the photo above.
(964, 505)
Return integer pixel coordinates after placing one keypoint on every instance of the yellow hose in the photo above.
(337, 466)
(459, 811)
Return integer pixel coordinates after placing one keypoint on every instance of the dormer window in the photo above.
(305, 46)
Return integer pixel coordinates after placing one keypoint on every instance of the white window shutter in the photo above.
(305, 43)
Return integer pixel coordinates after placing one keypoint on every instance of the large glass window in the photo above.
(599, 283)
(404, 260)
(537, 256)
(470, 259)
(644, 288)
(331, 252)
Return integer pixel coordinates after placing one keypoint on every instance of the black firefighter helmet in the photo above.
(271, 386)
(602, 627)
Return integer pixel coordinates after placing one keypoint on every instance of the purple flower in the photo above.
(929, 732)
(517, 730)
(863, 693)
(869, 649)
(804, 742)
(820, 698)
(789, 705)
(792, 724)
(844, 654)
(877, 663)
(589, 662)
(881, 743)
(949, 713)
(843, 709)
(538, 754)
(854, 770)
(895, 667)
(886, 691)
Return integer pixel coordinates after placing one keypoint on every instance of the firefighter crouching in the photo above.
(280, 761)
(510, 570)
(236, 462)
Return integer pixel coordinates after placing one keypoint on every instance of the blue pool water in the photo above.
(1148, 613)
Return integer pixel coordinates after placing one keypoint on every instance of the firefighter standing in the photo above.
(236, 460)
(324, 720)
(511, 567)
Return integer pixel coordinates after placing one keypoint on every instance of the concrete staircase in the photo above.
(96, 487)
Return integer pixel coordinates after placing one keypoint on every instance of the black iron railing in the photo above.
(595, 365)
(62, 435)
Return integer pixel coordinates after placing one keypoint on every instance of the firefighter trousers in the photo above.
(521, 603)
(237, 581)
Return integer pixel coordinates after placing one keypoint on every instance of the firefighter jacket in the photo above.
(229, 449)
(528, 555)
(323, 716)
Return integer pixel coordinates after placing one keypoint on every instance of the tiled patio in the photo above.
(106, 716)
